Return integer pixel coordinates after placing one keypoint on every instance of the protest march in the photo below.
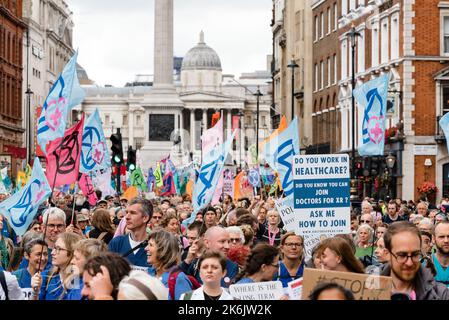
(77, 226)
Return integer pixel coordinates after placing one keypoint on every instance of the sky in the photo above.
(115, 37)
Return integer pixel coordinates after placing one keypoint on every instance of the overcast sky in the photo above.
(115, 37)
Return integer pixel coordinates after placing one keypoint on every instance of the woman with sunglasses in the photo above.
(55, 284)
(291, 267)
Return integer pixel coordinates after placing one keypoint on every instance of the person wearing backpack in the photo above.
(164, 252)
(212, 266)
(9, 287)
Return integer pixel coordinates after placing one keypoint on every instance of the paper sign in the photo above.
(321, 194)
(363, 286)
(271, 290)
(295, 289)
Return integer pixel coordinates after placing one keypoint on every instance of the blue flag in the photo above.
(279, 153)
(150, 180)
(210, 172)
(94, 152)
(65, 94)
(254, 177)
(21, 208)
(444, 124)
(372, 99)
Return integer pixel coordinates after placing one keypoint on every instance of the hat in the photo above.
(102, 201)
(123, 198)
(81, 217)
(108, 197)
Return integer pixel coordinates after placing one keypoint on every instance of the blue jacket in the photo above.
(182, 284)
(283, 275)
(121, 246)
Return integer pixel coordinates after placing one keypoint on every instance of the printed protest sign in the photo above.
(363, 286)
(295, 289)
(271, 290)
(321, 194)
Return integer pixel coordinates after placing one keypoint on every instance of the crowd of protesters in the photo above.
(141, 250)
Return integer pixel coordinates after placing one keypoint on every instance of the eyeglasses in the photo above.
(58, 249)
(276, 265)
(293, 244)
(235, 239)
(157, 218)
(402, 257)
(365, 221)
(53, 226)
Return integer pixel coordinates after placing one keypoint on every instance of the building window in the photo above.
(445, 104)
(328, 72)
(445, 34)
(375, 47)
(316, 77)
(322, 75)
(125, 120)
(335, 17)
(395, 36)
(322, 25)
(317, 26)
(263, 121)
(335, 70)
(344, 59)
(329, 21)
(344, 7)
(361, 52)
(138, 120)
(384, 41)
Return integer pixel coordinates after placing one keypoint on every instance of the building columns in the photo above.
(192, 130)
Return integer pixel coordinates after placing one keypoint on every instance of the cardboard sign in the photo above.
(321, 194)
(295, 289)
(270, 290)
(363, 286)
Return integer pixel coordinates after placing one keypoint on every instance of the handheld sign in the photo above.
(321, 194)
(363, 286)
(270, 290)
(295, 289)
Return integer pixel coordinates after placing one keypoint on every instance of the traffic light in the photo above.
(367, 166)
(116, 148)
(131, 159)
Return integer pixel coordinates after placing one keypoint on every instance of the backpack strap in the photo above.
(172, 276)
(102, 235)
(3, 284)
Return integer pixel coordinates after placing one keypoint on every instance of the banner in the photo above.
(363, 286)
(372, 99)
(65, 94)
(21, 208)
(279, 153)
(254, 177)
(169, 185)
(94, 151)
(321, 194)
(150, 180)
(212, 137)
(158, 176)
(85, 184)
(63, 158)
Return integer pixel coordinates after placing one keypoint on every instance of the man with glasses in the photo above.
(54, 220)
(403, 242)
(368, 219)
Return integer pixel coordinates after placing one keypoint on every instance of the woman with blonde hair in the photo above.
(337, 255)
(56, 283)
(272, 233)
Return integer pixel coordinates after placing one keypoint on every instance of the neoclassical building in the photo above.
(160, 129)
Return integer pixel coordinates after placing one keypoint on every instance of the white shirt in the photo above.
(14, 291)
(133, 243)
(198, 294)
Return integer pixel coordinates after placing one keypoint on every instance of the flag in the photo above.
(242, 187)
(87, 187)
(94, 151)
(158, 176)
(65, 94)
(254, 177)
(138, 180)
(444, 124)
(282, 127)
(279, 153)
(21, 180)
(372, 99)
(215, 118)
(6, 179)
(150, 180)
(103, 182)
(189, 187)
(268, 175)
(212, 137)
(63, 158)
(169, 185)
(210, 172)
(130, 193)
(21, 208)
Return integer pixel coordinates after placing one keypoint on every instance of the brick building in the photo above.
(325, 116)
(11, 35)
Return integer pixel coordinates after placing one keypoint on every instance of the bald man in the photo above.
(215, 238)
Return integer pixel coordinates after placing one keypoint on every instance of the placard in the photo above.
(363, 286)
(321, 194)
(295, 289)
(270, 290)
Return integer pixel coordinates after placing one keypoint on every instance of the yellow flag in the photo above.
(21, 178)
(158, 176)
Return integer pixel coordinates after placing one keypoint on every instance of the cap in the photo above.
(82, 217)
(102, 201)
(108, 197)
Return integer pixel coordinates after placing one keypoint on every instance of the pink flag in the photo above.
(212, 137)
(86, 186)
(218, 191)
(63, 156)
(236, 126)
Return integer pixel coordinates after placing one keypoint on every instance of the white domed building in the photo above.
(203, 89)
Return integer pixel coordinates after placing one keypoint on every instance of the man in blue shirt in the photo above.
(138, 213)
(441, 256)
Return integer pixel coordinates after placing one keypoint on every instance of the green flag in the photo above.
(158, 176)
(138, 180)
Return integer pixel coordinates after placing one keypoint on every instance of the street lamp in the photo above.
(391, 161)
(293, 65)
(258, 95)
(353, 34)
